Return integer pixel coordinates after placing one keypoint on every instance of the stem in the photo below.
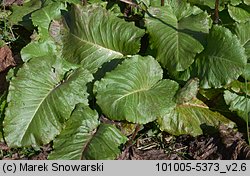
(162, 2)
(216, 12)
(130, 142)
(247, 113)
(84, 2)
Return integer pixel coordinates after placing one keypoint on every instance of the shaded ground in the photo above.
(227, 144)
(7, 153)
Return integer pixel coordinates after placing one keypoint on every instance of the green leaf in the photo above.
(144, 4)
(44, 45)
(240, 14)
(107, 140)
(212, 94)
(222, 61)
(235, 2)
(241, 88)
(42, 18)
(72, 1)
(2, 43)
(38, 49)
(188, 92)
(211, 3)
(243, 33)
(83, 139)
(41, 97)
(247, 2)
(180, 75)
(135, 92)
(97, 36)
(191, 118)
(246, 73)
(3, 104)
(175, 33)
(238, 103)
(20, 13)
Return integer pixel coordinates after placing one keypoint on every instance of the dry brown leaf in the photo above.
(10, 2)
(6, 58)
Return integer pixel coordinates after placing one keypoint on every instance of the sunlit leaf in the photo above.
(175, 32)
(42, 18)
(83, 139)
(41, 97)
(20, 13)
(191, 118)
(222, 61)
(247, 2)
(135, 91)
(97, 36)
(240, 14)
(38, 49)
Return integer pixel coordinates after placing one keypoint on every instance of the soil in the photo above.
(227, 144)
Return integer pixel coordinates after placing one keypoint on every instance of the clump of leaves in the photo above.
(51, 95)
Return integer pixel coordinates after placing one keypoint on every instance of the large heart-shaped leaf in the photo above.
(222, 61)
(41, 97)
(191, 118)
(83, 139)
(135, 92)
(97, 36)
(175, 33)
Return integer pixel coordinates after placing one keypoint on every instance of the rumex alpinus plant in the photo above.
(89, 60)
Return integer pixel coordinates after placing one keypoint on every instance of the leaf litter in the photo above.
(227, 144)
(10, 2)
(6, 58)
(6, 61)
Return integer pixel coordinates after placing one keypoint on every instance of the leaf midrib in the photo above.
(36, 110)
(133, 92)
(96, 45)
